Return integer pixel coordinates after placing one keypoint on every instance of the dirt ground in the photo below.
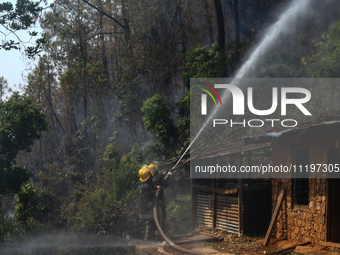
(232, 243)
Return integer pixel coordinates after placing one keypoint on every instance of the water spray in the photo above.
(281, 27)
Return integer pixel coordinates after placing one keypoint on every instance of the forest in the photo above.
(111, 92)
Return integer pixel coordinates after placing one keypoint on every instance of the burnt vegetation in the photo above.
(113, 83)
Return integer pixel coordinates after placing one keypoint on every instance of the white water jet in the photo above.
(283, 26)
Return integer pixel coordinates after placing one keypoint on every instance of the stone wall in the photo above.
(302, 223)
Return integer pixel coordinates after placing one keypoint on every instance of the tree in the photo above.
(20, 124)
(3, 87)
(325, 63)
(157, 119)
(22, 17)
(202, 62)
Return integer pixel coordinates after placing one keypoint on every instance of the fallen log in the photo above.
(289, 248)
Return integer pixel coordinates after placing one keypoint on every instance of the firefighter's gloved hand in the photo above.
(171, 172)
(158, 189)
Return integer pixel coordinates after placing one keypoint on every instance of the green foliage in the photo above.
(11, 230)
(33, 204)
(91, 207)
(157, 119)
(202, 62)
(20, 124)
(179, 218)
(3, 87)
(117, 185)
(183, 121)
(14, 176)
(130, 103)
(94, 78)
(106, 71)
(326, 62)
(122, 176)
(80, 150)
(170, 126)
(22, 17)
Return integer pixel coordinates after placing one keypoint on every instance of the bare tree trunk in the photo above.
(220, 24)
(236, 20)
(125, 20)
(237, 29)
(101, 27)
(136, 136)
(41, 156)
(259, 9)
(210, 25)
(83, 52)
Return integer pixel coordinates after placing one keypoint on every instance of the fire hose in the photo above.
(175, 246)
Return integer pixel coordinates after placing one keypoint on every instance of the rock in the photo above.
(311, 205)
(312, 250)
(260, 242)
(318, 206)
(304, 249)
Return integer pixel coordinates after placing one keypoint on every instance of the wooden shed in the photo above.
(310, 210)
(235, 205)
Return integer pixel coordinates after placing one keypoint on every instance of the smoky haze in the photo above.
(72, 244)
(277, 54)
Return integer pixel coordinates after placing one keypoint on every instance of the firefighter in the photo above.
(161, 182)
(151, 183)
(147, 199)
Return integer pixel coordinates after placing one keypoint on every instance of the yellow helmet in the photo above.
(146, 171)
(153, 166)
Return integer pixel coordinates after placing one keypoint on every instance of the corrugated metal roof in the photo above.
(272, 134)
(237, 149)
(331, 122)
(263, 138)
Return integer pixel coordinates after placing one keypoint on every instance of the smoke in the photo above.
(274, 39)
(73, 244)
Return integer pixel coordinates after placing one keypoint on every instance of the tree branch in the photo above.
(11, 31)
(109, 33)
(107, 15)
